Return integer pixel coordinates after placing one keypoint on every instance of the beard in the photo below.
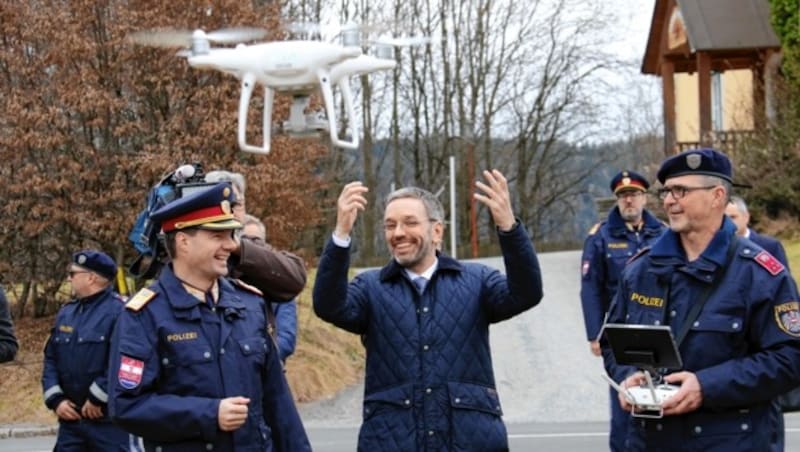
(425, 248)
(631, 214)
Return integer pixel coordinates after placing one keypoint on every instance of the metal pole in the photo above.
(453, 227)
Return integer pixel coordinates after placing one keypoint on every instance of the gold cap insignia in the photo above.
(225, 206)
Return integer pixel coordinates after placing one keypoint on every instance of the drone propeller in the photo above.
(166, 37)
(304, 28)
(404, 41)
(384, 46)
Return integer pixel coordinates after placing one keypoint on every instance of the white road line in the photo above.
(559, 435)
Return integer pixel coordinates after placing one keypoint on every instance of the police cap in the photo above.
(96, 261)
(628, 180)
(707, 162)
(206, 209)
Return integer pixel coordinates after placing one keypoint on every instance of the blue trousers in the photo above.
(619, 424)
(90, 436)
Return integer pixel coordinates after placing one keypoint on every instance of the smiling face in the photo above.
(202, 255)
(410, 234)
(700, 206)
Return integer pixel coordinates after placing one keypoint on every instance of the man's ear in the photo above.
(181, 242)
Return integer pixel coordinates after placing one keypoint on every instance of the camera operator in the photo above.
(279, 274)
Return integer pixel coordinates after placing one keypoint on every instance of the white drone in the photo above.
(297, 68)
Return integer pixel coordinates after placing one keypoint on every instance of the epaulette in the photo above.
(141, 298)
(247, 287)
(594, 228)
(769, 262)
(639, 253)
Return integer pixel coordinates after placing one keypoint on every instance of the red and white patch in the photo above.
(769, 262)
(130, 372)
(585, 268)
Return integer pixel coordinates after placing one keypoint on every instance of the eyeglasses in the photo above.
(72, 273)
(679, 191)
(390, 226)
(630, 194)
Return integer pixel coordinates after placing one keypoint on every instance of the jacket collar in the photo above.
(95, 296)
(617, 227)
(393, 270)
(185, 305)
(668, 250)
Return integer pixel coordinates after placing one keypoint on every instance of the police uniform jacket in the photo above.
(606, 250)
(76, 354)
(429, 383)
(175, 358)
(771, 245)
(743, 347)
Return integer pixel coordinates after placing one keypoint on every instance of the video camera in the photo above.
(145, 235)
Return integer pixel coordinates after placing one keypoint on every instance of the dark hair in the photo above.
(169, 239)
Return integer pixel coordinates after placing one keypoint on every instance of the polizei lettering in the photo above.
(644, 300)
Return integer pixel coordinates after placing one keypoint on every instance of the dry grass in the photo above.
(327, 360)
(793, 255)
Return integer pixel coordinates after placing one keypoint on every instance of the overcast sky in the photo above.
(636, 106)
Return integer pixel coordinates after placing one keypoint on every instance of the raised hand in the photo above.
(350, 201)
(497, 198)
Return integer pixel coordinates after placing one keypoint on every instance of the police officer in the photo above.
(741, 349)
(610, 244)
(74, 379)
(8, 342)
(737, 211)
(192, 367)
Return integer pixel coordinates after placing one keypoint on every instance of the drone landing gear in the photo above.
(302, 125)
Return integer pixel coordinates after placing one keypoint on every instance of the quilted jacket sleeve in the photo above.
(335, 302)
(521, 289)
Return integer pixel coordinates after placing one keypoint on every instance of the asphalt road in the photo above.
(549, 383)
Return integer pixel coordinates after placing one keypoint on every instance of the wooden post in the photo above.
(704, 95)
(668, 96)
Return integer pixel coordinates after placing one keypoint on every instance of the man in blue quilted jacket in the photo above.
(424, 319)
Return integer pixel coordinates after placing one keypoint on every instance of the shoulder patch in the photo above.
(247, 287)
(769, 262)
(141, 298)
(594, 229)
(787, 316)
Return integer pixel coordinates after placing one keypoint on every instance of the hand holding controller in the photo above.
(645, 399)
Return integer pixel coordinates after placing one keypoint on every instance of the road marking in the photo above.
(559, 435)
